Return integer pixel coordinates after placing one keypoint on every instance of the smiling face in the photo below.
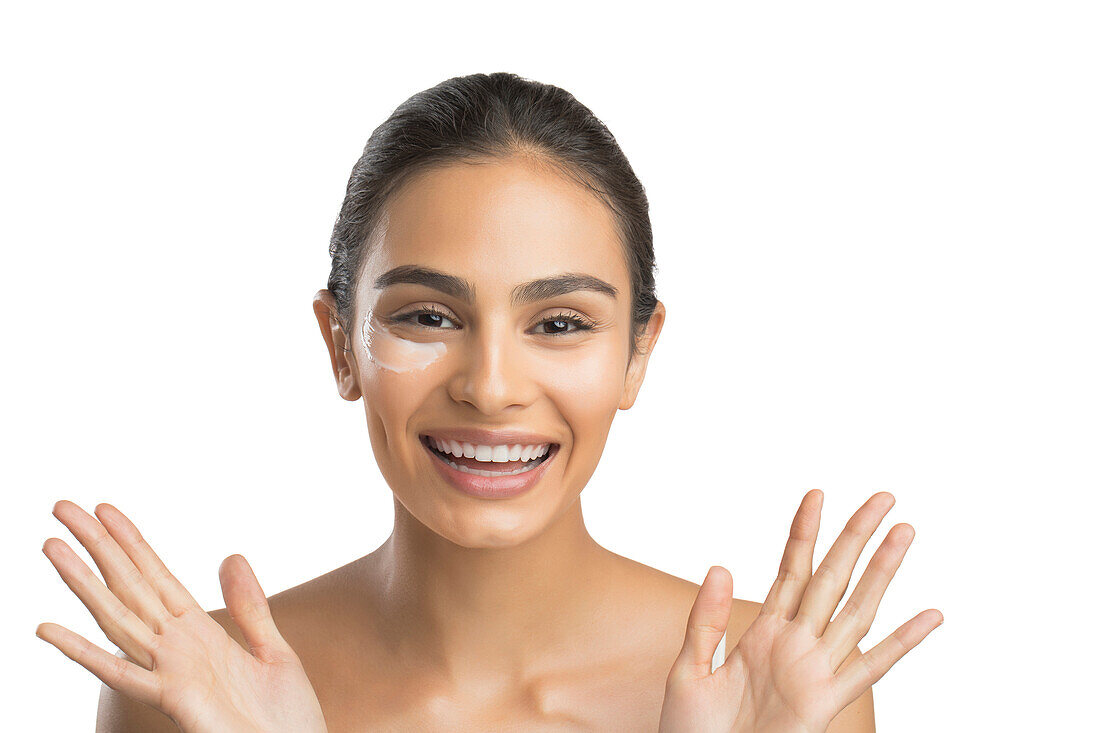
(452, 331)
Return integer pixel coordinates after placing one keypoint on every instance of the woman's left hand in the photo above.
(784, 673)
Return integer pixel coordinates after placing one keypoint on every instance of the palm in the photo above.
(779, 679)
(180, 660)
(785, 672)
(213, 681)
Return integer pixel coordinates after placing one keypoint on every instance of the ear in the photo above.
(339, 345)
(635, 370)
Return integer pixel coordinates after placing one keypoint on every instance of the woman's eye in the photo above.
(432, 319)
(560, 325)
(425, 318)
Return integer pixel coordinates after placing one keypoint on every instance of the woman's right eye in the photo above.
(424, 318)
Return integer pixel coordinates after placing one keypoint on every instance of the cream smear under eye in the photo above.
(394, 353)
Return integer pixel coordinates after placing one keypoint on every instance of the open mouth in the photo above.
(489, 461)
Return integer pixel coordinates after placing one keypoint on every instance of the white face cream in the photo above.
(390, 351)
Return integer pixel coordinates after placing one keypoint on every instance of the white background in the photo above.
(876, 227)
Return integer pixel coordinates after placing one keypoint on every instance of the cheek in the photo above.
(397, 373)
(586, 384)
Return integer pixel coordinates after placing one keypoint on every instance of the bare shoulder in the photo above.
(316, 618)
(668, 601)
(742, 612)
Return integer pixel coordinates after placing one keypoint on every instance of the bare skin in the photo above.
(486, 613)
(319, 619)
(618, 686)
(606, 672)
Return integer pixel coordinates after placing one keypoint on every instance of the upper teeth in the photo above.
(490, 453)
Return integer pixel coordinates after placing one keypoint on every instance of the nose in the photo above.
(493, 374)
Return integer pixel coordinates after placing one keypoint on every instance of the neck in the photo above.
(487, 613)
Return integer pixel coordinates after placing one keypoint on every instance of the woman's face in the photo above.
(463, 337)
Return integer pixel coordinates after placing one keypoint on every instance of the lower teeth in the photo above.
(531, 465)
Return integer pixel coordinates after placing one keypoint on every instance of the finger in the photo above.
(115, 672)
(247, 606)
(869, 668)
(828, 584)
(707, 622)
(173, 595)
(798, 557)
(118, 622)
(119, 572)
(854, 620)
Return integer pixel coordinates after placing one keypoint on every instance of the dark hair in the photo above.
(499, 115)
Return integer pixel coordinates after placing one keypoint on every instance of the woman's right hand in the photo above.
(188, 667)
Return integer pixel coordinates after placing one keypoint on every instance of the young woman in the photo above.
(492, 302)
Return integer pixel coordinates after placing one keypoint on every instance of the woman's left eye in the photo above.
(563, 321)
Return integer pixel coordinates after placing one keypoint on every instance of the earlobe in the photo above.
(338, 343)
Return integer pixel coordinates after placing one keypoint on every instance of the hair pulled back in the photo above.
(483, 116)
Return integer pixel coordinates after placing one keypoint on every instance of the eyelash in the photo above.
(580, 323)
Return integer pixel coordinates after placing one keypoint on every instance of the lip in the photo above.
(488, 487)
(489, 437)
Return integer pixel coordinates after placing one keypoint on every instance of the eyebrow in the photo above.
(528, 292)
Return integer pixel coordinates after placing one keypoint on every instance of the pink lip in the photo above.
(489, 437)
(488, 487)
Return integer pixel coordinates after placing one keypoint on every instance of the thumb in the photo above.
(706, 623)
(247, 606)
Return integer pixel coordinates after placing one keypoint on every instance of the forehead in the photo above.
(498, 222)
